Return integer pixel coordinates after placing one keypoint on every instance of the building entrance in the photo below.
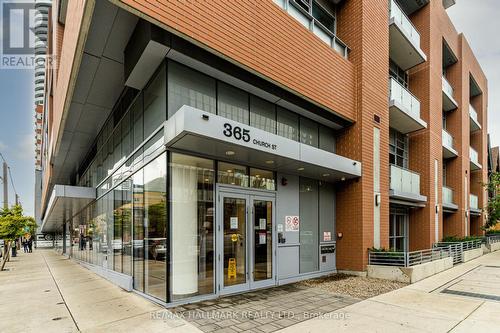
(246, 239)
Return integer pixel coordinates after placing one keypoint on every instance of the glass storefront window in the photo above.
(189, 87)
(138, 229)
(232, 174)
(192, 209)
(155, 233)
(262, 179)
(232, 103)
(262, 114)
(126, 217)
(117, 229)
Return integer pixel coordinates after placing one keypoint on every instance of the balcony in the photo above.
(311, 23)
(449, 102)
(474, 160)
(448, 205)
(404, 109)
(474, 205)
(404, 39)
(448, 147)
(474, 123)
(405, 187)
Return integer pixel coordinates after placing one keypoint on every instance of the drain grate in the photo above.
(469, 294)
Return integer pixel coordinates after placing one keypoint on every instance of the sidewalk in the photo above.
(465, 298)
(45, 292)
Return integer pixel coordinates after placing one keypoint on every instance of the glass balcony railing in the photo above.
(447, 139)
(396, 13)
(403, 180)
(399, 93)
(474, 157)
(473, 113)
(447, 88)
(474, 202)
(447, 195)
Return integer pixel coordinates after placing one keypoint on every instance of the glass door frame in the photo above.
(250, 195)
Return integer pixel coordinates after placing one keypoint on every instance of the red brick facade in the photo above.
(262, 38)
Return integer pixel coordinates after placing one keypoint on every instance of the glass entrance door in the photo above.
(246, 241)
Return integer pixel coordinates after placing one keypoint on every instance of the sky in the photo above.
(479, 22)
(477, 19)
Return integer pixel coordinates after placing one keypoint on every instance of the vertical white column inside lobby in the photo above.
(184, 230)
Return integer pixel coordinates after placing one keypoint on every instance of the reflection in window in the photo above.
(232, 103)
(288, 124)
(308, 132)
(262, 179)
(189, 87)
(232, 174)
(117, 239)
(192, 207)
(323, 17)
(155, 103)
(138, 234)
(126, 217)
(262, 114)
(155, 213)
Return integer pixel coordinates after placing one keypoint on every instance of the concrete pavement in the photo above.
(46, 292)
(461, 299)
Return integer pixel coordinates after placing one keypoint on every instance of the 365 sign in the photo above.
(236, 132)
(243, 134)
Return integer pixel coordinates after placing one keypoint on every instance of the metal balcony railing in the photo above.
(406, 259)
(447, 195)
(308, 21)
(456, 249)
(447, 139)
(447, 87)
(399, 93)
(474, 201)
(474, 157)
(403, 180)
(396, 13)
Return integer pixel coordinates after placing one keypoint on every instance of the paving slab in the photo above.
(46, 292)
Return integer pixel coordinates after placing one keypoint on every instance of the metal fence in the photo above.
(406, 259)
(456, 249)
(492, 239)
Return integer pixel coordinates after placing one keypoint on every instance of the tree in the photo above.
(13, 224)
(493, 187)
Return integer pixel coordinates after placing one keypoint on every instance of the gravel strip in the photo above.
(354, 286)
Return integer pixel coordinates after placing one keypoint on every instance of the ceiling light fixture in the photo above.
(230, 153)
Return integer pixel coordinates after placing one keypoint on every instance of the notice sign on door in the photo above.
(292, 223)
(262, 238)
(233, 222)
(327, 236)
(262, 224)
